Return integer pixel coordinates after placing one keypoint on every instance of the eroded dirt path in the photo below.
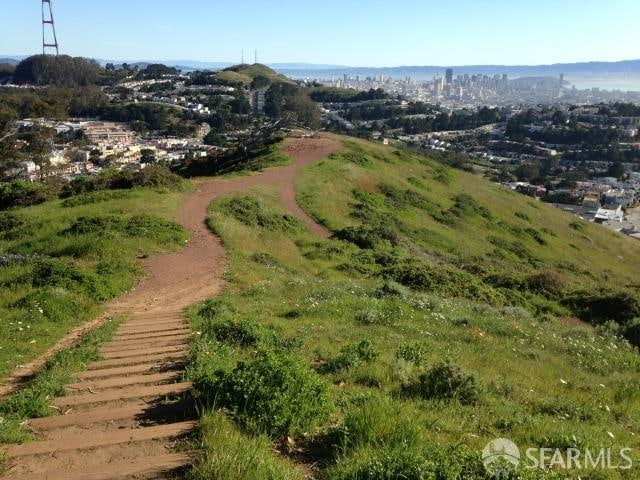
(125, 412)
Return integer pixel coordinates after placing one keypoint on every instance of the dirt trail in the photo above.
(123, 414)
(180, 279)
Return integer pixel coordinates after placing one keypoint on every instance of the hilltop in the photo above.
(249, 73)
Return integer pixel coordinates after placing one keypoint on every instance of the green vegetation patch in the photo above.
(59, 262)
(34, 401)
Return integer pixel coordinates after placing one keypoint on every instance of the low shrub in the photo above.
(10, 221)
(94, 197)
(351, 356)
(214, 308)
(466, 207)
(578, 226)
(266, 259)
(442, 280)
(21, 193)
(447, 382)
(600, 307)
(252, 212)
(146, 226)
(391, 289)
(413, 352)
(155, 176)
(58, 273)
(631, 331)
(374, 317)
(368, 236)
(547, 283)
(274, 394)
(243, 333)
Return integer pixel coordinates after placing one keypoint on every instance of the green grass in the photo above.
(233, 456)
(62, 259)
(34, 401)
(246, 73)
(526, 373)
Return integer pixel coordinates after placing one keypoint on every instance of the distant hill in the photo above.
(249, 73)
(9, 61)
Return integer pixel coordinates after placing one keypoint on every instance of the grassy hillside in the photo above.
(61, 259)
(434, 321)
(247, 73)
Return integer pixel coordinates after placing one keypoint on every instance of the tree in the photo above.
(617, 170)
(148, 156)
(528, 172)
(559, 118)
(39, 148)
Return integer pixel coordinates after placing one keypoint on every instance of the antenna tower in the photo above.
(49, 40)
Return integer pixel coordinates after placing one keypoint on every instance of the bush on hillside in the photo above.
(10, 221)
(242, 333)
(600, 307)
(414, 352)
(56, 273)
(351, 356)
(252, 212)
(441, 280)
(145, 226)
(155, 176)
(214, 308)
(21, 193)
(631, 331)
(91, 198)
(445, 381)
(368, 236)
(274, 394)
(549, 283)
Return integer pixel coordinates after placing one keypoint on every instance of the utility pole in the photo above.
(48, 23)
(256, 57)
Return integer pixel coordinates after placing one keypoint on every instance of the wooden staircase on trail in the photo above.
(123, 417)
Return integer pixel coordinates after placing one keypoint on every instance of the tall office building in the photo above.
(449, 76)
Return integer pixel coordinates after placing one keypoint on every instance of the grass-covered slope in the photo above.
(317, 345)
(453, 233)
(247, 73)
(61, 259)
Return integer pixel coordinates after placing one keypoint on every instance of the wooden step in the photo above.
(122, 362)
(138, 326)
(82, 442)
(145, 336)
(123, 394)
(139, 409)
(143, 351)
(124, 381)
(134, 347)
(129, 343)
(131, 370)
(124, 332)
(144, 466)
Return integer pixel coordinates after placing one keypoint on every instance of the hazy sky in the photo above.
(346, 32)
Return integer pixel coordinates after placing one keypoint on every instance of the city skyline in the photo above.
(371, 34)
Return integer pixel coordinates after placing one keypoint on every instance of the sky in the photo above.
(338, 32)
